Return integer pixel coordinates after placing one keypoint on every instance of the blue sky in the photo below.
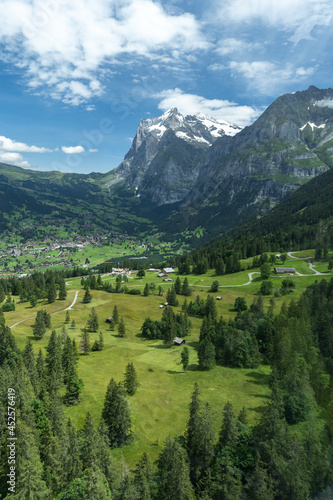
(78, 75)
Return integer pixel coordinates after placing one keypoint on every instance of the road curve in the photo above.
(57, 312)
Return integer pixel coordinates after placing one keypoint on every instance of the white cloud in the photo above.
(232, 45)
(324, 103)
(70, 150)
(266, 76)
(298, 16)
(7, 144)
(64, 46)
(93, 150)
(13, 159)
(90, 107)
(222, 110)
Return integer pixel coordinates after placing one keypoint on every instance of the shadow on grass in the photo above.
(258, 378)
(159, 346)
(173, 372)
(259, 409)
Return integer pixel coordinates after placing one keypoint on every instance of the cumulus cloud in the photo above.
(266, 76)
(93, 150)
(13, 159)
(7, 144)
(298, 16)
(219, 109)
(68, 47)
(324, 103)
(70, 150)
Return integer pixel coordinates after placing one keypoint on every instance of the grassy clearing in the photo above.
(160, 406)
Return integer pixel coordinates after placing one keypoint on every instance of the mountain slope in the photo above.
(166, 151)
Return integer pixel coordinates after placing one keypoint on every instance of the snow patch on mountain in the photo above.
(313, 126)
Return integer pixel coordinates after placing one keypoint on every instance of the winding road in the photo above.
(57, 312)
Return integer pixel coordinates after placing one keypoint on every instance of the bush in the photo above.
(8, 306)
(266, 287)
(134, 291)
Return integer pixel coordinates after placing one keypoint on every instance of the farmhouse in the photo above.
(168, 270)
(178, 341)
(284, 270)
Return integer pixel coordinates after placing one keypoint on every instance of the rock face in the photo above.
(214, 175)
(166, 151)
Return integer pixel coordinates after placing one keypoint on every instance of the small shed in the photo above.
(108, 320)
(178, 341)
(284, 270)
(161, 306)
(218, 298)
(161, 275)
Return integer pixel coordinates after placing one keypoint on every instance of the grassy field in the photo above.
(160, 406)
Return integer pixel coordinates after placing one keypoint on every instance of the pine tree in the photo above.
(227, 484)
(72, 465)
(185, 357)
(115, 315)
(131, 379)
(73, 324)
(85, 342)
(101, 341)
(92, 322)
(39, 327)
(121, 328)
(41, 371)
(260, 484)
(62, 290)
(52, 292)
(116, 414)
(173, 473)
(144, 478)
(29, 360)
(169, 327)
(206, 354)
(186, 290)
(178, 285)
(228, 433)
(210, 308)
(54, 362)
(146, 290)
(87, 296)
(172, 297)
(67, 319)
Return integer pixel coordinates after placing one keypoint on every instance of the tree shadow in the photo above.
(159, 346)
(173, 372)
(258, 378)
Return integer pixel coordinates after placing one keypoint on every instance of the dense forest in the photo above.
(287, 454)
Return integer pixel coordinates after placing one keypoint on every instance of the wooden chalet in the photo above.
(179, 341)
(284, 270)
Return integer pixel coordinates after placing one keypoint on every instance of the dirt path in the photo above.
(57, 312)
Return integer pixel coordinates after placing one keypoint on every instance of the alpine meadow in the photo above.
(166, 250)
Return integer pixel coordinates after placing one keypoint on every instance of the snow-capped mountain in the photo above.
(168, 148)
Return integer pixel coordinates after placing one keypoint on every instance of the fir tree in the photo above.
(73, 324)
(206, 354)
(185, 357)
(172, 297)
(121, 328)
(67, 319)
(92, 322)
(54, 362)
(173, 473)
(52, 292)
(131, 379)
(144, 478)
(72, 465)
(116, 414)
(186, 290)
(260, 484)
(101, 341)
(39, 327)
(178, 285)
(169, 328)
(85, 342)
(115, 315)
(87, 296)
(62, 290)
(228, 433)
(30, 363)
(146, 290)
